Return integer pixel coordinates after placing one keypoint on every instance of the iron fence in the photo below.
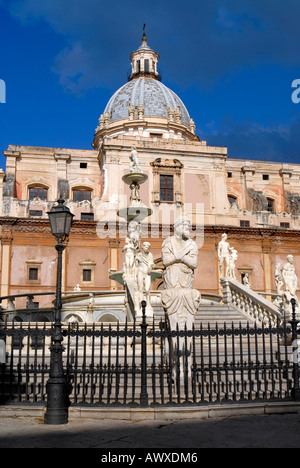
(143, 363)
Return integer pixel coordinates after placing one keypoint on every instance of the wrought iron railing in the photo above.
(138, 364)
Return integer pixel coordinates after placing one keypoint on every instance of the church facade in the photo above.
(257, 204)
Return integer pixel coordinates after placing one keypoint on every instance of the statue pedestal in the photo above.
(133, 300)
(136, 210)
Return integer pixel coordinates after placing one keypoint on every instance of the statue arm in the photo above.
(168, 257)
(191, 259)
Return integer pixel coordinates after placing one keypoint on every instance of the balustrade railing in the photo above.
(253, 305)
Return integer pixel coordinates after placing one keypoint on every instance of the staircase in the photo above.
(220, 314)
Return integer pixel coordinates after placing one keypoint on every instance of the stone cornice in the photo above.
(42, 226)
(11, 225)
(123, 125)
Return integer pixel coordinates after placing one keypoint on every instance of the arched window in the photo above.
(108, 318)
(233, 200)
(38, 191)
(82, 194)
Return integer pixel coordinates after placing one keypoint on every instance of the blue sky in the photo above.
(232, 62)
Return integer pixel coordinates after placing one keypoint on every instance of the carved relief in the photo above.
(204, 184)
(257, 201)
(292, 203)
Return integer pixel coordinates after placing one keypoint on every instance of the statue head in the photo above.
(224, 237)
(146, 247)
(133, 226)
(182, 227)
(290, 259)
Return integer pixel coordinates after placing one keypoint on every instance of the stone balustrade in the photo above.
(250, 303)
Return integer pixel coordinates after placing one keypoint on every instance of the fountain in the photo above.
(138, 269)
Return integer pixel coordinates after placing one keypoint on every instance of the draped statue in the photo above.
(180, 258)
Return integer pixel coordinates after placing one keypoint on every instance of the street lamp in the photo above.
(60, 219)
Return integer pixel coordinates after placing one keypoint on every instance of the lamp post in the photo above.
(60, 219)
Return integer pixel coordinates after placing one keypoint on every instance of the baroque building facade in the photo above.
(256, 203)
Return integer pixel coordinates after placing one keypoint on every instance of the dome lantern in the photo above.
(144, 61)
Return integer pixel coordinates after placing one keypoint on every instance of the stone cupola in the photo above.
(144, 61)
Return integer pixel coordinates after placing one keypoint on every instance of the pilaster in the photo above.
(6, 250)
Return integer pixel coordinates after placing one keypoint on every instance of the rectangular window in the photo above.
(87, 216)
(266, 177)
(271, 206)
(33, 274)
(35, 213)
(81, 195)
(245, 224)
(87, 275)
(229, 175)
(83, 165)
(285, 225)
(147, 66)
(166, 188)
(37, 192)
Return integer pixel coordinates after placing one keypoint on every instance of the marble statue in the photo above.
(135, 197)
(224, 256)
(77, 288)
(144, 263)
(128, 266)
(134, 233)
(286, 285)
(91, 303)
(179, 299)
(233, 256)
(278, 279)
(290, 279)
(180, 258)
(246, 281)
(134, 161)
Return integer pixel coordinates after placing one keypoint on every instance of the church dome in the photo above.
(145, 103)
(151, 93)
